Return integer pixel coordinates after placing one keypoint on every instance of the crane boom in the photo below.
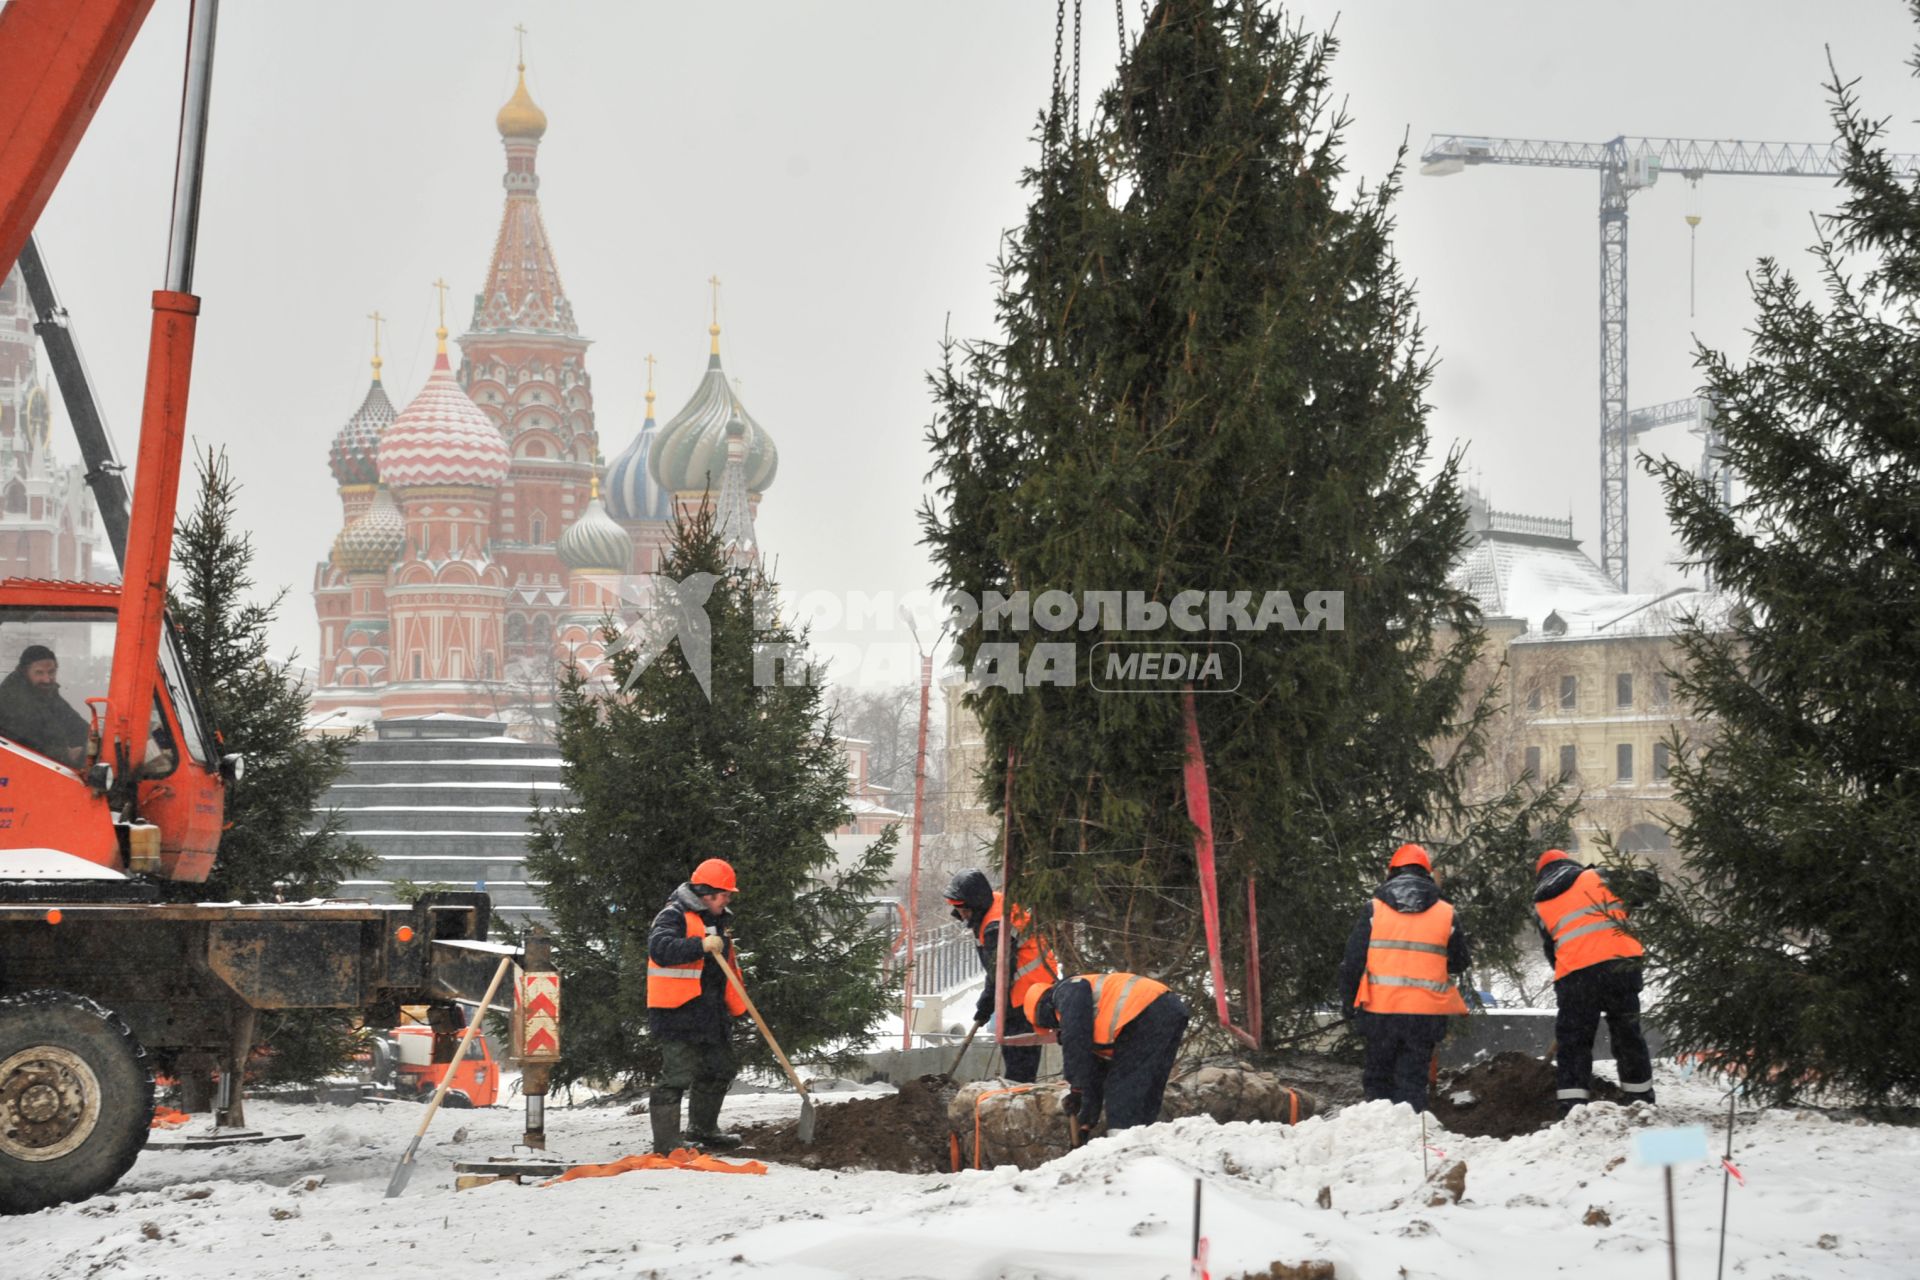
(1627, 165)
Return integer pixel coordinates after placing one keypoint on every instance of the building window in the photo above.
(1533, 762)
(486, 666)
(1569, 693)
(1662, 689)
(539, 529)
(1623, 689)
(1623, 762)
(1533, 698)
(1662, 761)
(416, 665)
(1567, 764)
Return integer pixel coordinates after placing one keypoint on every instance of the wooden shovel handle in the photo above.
(761, 1022)
(466, 1038)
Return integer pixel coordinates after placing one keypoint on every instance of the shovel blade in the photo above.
(806, 1119)
(402, 1171)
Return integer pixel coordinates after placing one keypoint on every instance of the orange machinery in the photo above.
(100, 982)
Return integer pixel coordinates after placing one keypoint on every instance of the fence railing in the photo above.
(944, 960)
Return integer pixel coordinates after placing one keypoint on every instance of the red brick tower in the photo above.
(524, 363)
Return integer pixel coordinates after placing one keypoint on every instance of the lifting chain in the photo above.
(1076, 69)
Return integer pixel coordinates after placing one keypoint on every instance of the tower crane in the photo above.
(1627, 165)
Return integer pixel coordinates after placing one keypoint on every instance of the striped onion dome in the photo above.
(632, 492)
(691, 453)
(594, 543)
(372, 542)
(442, 438)
(356, 447)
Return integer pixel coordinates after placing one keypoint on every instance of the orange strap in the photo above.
(982, 1097)
(1293, 1107)
(680, 1158)
(953, 1149)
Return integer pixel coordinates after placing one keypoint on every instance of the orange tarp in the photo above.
(168, 1118)
(682, 1158)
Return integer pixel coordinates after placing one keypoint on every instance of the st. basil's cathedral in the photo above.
(482, 544)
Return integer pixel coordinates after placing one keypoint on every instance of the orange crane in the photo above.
(100, 983)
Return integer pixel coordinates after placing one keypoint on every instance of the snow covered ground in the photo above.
(1822, 1199)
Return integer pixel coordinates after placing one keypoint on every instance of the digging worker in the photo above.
(1030, 962)
(1398, 977)
(690, 1005)
(1596, 971)
(33, 714)
(1119, 1033)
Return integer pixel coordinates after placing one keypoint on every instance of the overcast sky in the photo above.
(847, 170)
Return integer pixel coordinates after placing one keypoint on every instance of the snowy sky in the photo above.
(847, 171)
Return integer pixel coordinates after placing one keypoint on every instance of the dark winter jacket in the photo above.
(974, 889)
(1086, 1071)
(40, 719)
(1633, 888)
(1409, 890)
(704, 1019)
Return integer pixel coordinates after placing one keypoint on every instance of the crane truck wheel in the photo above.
(76, 1099)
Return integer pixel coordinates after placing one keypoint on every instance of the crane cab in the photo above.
(65, 811)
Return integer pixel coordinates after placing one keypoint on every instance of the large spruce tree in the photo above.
(1210, 376)
(662, 776)
(279, 844)
(1784, 937)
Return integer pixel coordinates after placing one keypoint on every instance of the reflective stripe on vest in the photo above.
(1587, 924)
(1118, 998)
(1029, 955)
(669, 987)
(1407, 962)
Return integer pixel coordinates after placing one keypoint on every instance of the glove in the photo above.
(979, 1021)
(714, 945)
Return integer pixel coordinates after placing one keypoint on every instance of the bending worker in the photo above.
(1119, 1034)
(1031, 963)
(689, 1007)
(1398, 977)
(1596, 971)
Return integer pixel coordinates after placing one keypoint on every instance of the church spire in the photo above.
(377, 318)
(523, 291)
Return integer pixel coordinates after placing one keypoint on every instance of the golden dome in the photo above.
(520, 118)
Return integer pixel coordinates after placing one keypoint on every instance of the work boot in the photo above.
(703, 1122)
(663, 1109)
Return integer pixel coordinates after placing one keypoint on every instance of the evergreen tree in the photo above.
(1784, 933)
(661, 777)
(1211, 377)
(278, 844)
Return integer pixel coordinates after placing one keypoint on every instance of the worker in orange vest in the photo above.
(1596, 973)
(1119, 1034)
(690, 1007)
(1397, 977)
(1030, 962)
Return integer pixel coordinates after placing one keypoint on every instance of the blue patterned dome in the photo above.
(632, 492)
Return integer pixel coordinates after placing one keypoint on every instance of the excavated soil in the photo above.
(1512, 1094)
(905, 1132)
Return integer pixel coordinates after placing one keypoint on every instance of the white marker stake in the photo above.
(1666, 1148)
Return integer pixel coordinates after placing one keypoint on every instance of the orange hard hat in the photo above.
(715, 874)
(1551, 855)
(1032, 1002)
(1410, 855)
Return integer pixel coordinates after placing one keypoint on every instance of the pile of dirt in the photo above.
(904, 1132)
(1511, 1094)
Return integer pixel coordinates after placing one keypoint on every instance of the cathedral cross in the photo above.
(442, 286)
(521, 27)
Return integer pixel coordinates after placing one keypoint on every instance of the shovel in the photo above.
(961, 1056)
(404, 1170)
(806, 1099)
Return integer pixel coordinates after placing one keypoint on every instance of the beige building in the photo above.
(1586, 695)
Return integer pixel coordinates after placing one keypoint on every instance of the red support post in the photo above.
(1200, 810)
(919, 820)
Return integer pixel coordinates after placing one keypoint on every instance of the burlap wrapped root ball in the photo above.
(1020, 1125)
(1231, 1093)
(1026, 1126)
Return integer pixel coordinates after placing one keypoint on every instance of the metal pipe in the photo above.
(190, 162)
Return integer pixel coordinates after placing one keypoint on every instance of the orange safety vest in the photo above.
(1033, 961)
(671, 987)
(1118, 999)
(1588, 925)
(1407, 962)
